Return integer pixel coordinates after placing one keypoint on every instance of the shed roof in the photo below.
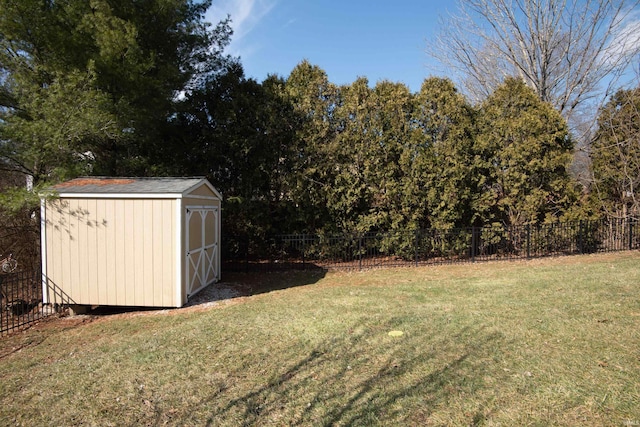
(132, 186)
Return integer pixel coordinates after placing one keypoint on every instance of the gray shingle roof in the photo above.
(109, 185)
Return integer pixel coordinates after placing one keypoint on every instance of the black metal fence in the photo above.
(22, 301)
(424, 247)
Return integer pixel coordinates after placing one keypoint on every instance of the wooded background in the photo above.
(145, 88)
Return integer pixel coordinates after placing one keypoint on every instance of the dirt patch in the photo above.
(213, 294)
(216, 294)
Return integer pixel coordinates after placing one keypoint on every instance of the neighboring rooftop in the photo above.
(109, 185)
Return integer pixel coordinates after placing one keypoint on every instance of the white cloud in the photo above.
(289, 23)
(625, 43)
(245, 15)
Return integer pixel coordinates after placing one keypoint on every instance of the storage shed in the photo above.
(147, 242)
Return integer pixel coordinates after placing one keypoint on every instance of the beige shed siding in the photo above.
(196, 201)
(122, 251)
(203, 190)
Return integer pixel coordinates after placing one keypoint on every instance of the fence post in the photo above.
(415, 245)
(580, 232)
(271, 248)
(630, 233)
(528, 240)
(473, 244)
(360, 251)
(246, 254)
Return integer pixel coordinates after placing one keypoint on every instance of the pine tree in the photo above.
(84, 85)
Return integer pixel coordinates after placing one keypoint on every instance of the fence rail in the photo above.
(423, 247)
(22, 302)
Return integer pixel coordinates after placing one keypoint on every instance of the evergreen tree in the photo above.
(524, 150)
(371, 125)
(85, 84)
(350, 196)
(391, 128)
(440, 177)
(314, 100)
(240, 134)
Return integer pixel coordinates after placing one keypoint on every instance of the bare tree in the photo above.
(570, 52)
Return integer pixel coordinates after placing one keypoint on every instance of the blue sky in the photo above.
(348, 39)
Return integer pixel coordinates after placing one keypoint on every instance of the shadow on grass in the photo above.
(234, 285)
(246, 284)
(359, 381)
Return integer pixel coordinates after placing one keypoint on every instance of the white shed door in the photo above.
(202, 243)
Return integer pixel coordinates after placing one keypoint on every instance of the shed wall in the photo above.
(203, 191)
(113, 251)
(201, 197)
(201, 201)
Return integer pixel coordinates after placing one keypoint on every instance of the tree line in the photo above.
(121, 88)
(299, 154)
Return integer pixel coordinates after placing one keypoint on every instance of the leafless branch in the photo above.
(569, 51)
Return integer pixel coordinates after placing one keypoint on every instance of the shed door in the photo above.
(203, 260)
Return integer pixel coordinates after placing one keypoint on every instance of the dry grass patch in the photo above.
(545, 342)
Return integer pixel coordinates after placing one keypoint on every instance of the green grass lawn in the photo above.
(544, 342)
